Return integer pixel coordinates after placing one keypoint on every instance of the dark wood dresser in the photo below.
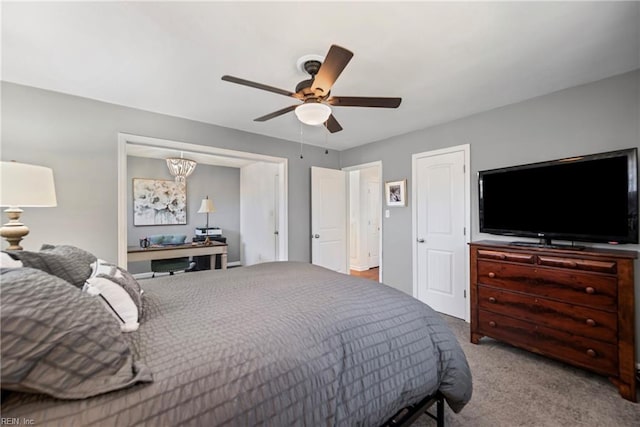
(573, 306)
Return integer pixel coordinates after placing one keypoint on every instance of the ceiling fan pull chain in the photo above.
(326, 140)
(301, 156)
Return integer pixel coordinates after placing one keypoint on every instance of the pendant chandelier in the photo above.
(181, 168)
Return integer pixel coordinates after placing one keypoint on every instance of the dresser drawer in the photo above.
(588, 353)
(506, 256)
(575, 319)
(579, 264)
(590, 289)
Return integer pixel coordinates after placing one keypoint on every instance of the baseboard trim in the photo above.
(142, 275)
(149, 274)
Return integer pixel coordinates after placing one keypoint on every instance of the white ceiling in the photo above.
(445, 59)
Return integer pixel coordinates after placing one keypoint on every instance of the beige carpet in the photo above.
(512, 387)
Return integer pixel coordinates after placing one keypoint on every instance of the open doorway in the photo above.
(365, 220)
(271, 242)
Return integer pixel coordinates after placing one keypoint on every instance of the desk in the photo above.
(136, 253)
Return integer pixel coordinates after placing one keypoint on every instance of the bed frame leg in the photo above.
(408, 416)
(440, 412)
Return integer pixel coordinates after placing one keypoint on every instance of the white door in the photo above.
(373, 223)
(276, 216)
(329, 218)
(440, 241)
(259, 213)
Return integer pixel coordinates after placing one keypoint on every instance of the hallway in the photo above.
(371, 274)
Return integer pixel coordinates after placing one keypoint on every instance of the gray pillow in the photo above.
(73, 270)
(126, 281)
(59, 341)
(70, 252)
(125, 284)
(129, 280)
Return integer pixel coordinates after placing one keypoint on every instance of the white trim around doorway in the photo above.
(124, 140)
(377, 164)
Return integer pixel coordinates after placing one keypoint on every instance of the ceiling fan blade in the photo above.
(259, 86)
(275, 114)
(332, 124)
(337, 58)
(364, 101)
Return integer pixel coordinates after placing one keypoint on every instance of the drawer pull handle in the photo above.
(592, 353)
(572, 264)
(502, 256)
(492, 300)
(590, 290)
(492, 274)
(591, 322)
(492, 324)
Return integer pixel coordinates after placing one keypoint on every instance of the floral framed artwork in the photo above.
(158, 202)
(396, 192)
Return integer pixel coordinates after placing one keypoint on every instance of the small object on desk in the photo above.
(204, 262)
(208, 231)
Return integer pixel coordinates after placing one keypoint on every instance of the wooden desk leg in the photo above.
(223, 261)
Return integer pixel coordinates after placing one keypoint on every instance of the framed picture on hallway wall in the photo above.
(158, 202)
(396, 192)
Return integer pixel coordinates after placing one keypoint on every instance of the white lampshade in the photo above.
(206, 206)
(26, 186)
(313, 113)
(23, 185)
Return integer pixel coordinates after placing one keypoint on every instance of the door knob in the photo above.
(317, 236)
(420, 240)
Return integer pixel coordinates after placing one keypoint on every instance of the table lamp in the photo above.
(207, 207)
(23, 185)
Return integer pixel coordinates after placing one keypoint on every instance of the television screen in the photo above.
(588, 198)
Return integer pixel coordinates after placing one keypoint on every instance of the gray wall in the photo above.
(77, 137)
(221, 184)
(591, 118)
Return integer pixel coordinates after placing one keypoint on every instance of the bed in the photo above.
(282, 343)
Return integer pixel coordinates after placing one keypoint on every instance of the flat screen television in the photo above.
(592, 198)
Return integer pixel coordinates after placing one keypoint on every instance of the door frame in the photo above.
(466, 149)
(125, 139)
(348, 169)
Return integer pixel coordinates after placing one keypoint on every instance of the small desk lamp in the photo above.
(26, 186)
(207, 207)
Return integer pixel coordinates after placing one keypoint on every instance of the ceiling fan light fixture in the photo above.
(313, 113)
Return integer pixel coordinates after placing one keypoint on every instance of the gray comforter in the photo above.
(277, 344)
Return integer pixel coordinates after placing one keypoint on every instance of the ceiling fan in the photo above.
(315, 93)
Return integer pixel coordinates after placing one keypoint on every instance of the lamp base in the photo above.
(207, 242)
(13, 231)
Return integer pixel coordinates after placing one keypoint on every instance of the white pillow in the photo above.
(116, 300)
(7, 262)
(101, 266)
